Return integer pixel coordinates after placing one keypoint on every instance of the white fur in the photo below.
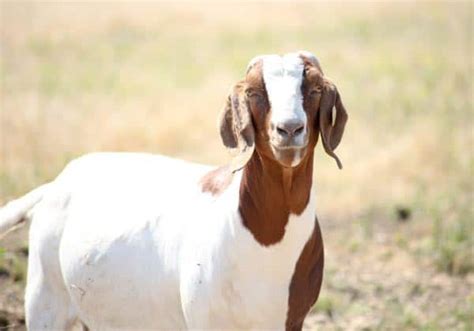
(283, 76)
(129, 241)
(296, 158)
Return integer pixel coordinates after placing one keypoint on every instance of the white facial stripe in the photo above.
(283, 77)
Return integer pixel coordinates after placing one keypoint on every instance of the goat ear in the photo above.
(236, 128)
(331, 134)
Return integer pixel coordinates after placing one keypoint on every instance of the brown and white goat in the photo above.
(137, 241)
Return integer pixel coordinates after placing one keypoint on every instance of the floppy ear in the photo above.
(331, 134)
(236, 128)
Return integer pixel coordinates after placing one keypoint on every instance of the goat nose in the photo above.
(290, 128)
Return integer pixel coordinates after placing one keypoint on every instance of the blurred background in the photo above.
(121, 76)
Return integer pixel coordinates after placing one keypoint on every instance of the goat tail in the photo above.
(16, 212)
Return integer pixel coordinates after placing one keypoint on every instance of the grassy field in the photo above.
(398, 221)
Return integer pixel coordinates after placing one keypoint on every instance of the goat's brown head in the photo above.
(280, 108)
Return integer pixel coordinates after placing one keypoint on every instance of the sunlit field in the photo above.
(398, 220)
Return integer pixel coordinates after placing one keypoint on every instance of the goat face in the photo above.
(280, 108)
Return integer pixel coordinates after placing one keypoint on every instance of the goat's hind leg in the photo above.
(46, 308)
(47, 301)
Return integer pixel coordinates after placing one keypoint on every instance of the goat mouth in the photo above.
(289, 156)
(285, 147)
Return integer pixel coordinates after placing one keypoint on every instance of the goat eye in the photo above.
(317, 90)
(253, 94)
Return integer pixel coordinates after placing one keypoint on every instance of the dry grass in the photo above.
(84, 77)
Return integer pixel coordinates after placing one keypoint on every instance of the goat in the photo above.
(139, 241)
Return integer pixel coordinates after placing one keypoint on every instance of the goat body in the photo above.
(131, 241)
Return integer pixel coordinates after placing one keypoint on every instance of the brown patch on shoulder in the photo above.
(217, 180)
(306, 281)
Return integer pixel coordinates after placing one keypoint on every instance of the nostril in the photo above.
(290, 129)
(282, 131)
(298, 130)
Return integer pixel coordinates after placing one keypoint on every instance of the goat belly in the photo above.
(123, 281)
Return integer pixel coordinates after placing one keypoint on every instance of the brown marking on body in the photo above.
(216, 180)
(269, 193)
(306, 281)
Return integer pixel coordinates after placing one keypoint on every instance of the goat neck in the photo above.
(269, 193)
